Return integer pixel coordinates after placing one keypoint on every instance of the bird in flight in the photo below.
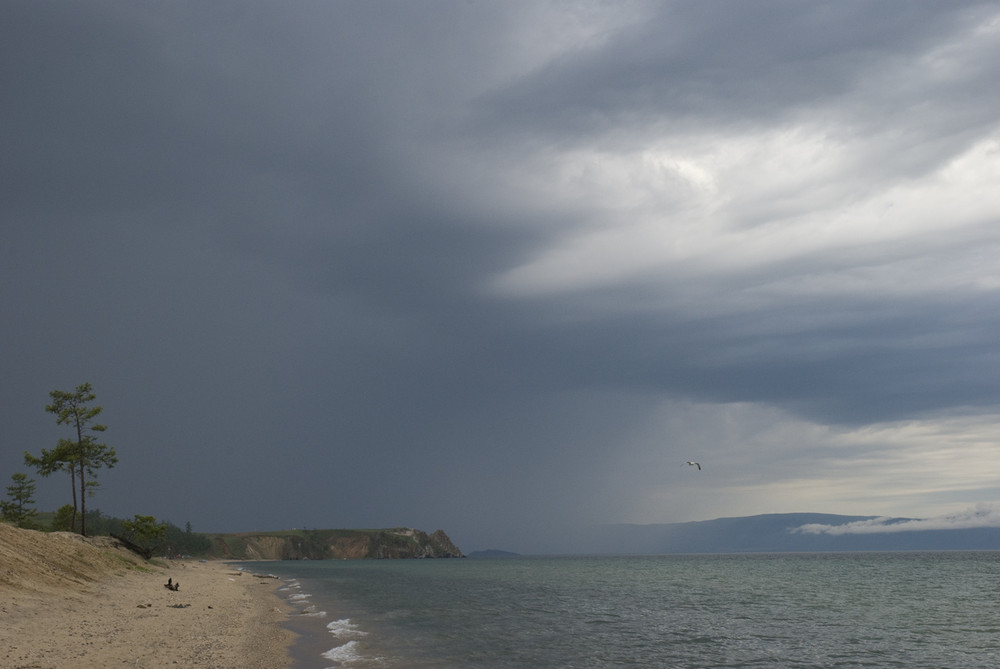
(695, 464)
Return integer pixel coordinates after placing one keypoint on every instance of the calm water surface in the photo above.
(938, 610)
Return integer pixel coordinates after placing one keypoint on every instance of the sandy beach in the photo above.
(70, 602)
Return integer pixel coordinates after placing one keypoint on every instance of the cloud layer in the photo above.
(504, 268)
(980, 516)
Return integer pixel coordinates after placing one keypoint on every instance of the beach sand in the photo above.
(66, 601)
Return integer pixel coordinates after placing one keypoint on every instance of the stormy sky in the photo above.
(502, 268)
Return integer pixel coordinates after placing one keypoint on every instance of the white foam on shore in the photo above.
(312, 612)
(344, 627)
(291, 585)
(346, 653)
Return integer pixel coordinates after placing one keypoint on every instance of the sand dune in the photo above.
(66, 601)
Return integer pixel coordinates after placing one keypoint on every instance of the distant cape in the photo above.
(776, 533)
(393, 543)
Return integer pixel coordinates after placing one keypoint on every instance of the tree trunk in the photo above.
(72, 480)
(83, 501)
(83, 491)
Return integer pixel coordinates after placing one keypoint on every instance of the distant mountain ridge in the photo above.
(776, 533)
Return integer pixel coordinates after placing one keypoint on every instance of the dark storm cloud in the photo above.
(472, 265)
(726, 63)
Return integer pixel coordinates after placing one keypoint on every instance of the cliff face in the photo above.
(396, 543)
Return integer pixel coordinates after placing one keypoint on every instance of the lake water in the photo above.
(937, 610)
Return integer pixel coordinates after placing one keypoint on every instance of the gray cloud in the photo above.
(499, 268)
(688, 66)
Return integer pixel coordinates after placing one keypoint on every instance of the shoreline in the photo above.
(324, 634)
(69, 601)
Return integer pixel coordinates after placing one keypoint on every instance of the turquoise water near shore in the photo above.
(939, 609)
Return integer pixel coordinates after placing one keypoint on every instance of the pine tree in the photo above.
(18, 509)
(81, 457)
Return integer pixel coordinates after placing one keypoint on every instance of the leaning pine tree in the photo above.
(81, 457)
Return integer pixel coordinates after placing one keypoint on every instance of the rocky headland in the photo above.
(381, 544)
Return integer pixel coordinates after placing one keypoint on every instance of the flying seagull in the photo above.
(695, 464)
